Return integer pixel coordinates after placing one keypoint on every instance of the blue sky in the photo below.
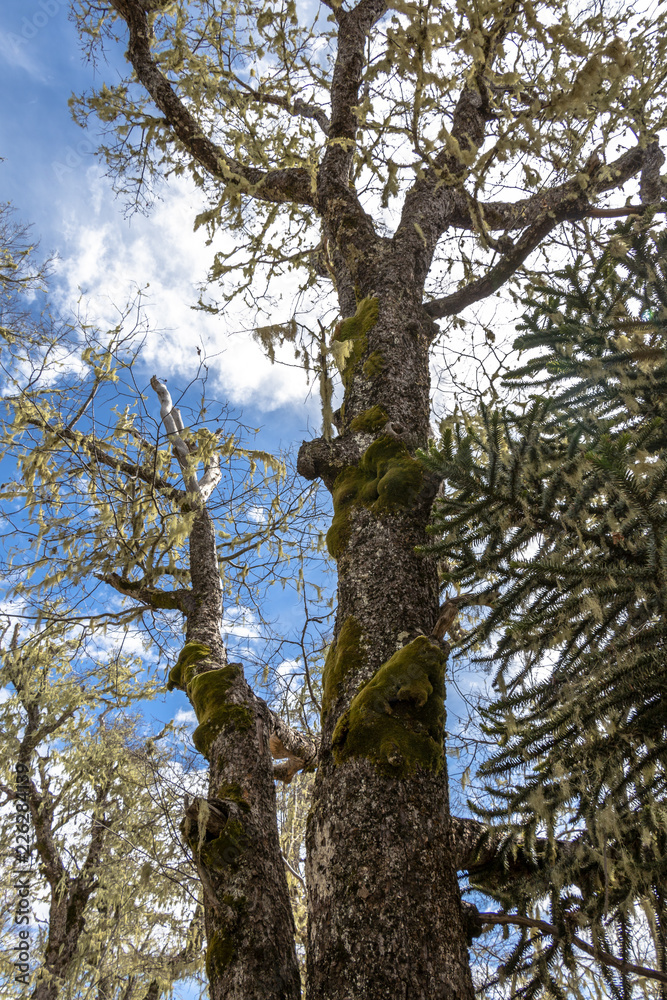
(51, 175)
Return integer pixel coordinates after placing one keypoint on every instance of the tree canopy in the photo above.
(118, 898)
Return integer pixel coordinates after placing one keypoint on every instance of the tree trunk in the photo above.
(384, 905)
(66, 924)
(233, 834)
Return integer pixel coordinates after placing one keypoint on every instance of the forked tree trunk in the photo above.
(384, 905)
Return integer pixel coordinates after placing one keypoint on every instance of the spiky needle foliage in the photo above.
(556, 509)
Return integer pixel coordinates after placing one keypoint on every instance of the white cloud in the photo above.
(14, 52)
(185, 717)
(257, 514)
(288, 667)
(107, 259)
(240, 622)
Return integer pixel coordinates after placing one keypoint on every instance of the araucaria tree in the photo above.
(304, 125)
(554, 513)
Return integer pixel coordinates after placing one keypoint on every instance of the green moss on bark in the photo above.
(233, 793)
(397, 719)
(386, 480)
(225, 850)
(208, 694)
(222, 944)
(343, 658)
(183, 670)
(373, 365)
(370, 420)
(219, 953)
(355, 329)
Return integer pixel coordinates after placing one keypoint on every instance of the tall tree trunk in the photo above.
(233, 833)
(384, 906)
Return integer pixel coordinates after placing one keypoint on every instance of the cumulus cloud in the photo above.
(185, 717)
(106, 259)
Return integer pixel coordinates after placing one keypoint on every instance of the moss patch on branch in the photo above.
(208, 694)
(397, 719)
(344, 657)
(355, 329)
(183, 671)
(386, 480)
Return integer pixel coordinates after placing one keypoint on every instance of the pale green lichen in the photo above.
(397, 719)
(183, 670)
(344, 657)
(208, 694)
(371, 420)
(355, 329)
(386, 480)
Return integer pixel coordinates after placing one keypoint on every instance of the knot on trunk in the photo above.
(473, 925)
(321, 459)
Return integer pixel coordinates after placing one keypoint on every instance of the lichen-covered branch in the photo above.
(233, 833)
(86, 445)
(337, 201)
(288, 185)
(159, 600)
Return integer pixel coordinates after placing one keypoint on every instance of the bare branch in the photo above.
(173, 424)
(301, 751)
(495, 277)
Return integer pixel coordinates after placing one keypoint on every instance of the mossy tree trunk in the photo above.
(234, 836)
(384, 906)
(384, 903)
(233, 833)
(385, 915)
